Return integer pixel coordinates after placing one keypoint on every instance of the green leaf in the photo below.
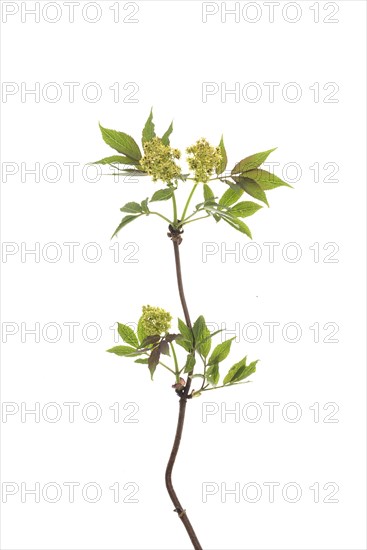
(186, 342)
(244, 209)
(162, 195)
(230, 196)
(116, 160)
(125, 221)
(252, 188)
(239, 371)
(205, 344)
(142, 361)
(266, 180)
(127, 334)
(148, 130)
(208, 193)
(124, 351)
(132, 208)
(220, 352)
(223, 164)
(237, 224)
(199, 328)
(165, 137)
(190, 363)
(123, 143)
(212, 374)
(141, 332)
(251, 162)
(144, 206)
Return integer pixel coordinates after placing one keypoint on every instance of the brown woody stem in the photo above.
(176, 239)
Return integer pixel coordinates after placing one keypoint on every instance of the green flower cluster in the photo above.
(204, 159)
(159, 160)
(155, 320)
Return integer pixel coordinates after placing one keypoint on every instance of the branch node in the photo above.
(180, 512)
(175, 233)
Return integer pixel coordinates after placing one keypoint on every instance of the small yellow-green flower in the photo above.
(204, 160)
(159, 160)
(155, 320)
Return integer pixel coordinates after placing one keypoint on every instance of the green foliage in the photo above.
(124, 351)
(132, 208)
(148, 130)
(124, 221)
(212, 374)
(123, 143)
(223, 162)
(251, 162)
(251, 188)
(266, 180)
(162, 195)
(167, 133)
(190, 363)
(220, 352)
(244, 209)
(239, 371)
(187, 340)
(116, 159)
(208, 193)
(128, 335)
(230, 196)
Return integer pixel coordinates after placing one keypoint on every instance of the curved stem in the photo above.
(196, 219)
(188, 201)
(161, 216)
(182, 409)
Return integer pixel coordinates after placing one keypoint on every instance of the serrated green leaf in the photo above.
(128, 335)
(239, 371)
(199, 328)
(208, 193)
(124, 351)
(251, 162)
(223, 164)
(244, 209)
(121, 142)
(212, 374)
(190, 363)
(140, 331)
(148, 130)
(185, 331)
(237, 224)
(251, 188)
(266, 180)
(165, 137)
(125, 221)
(230, 196)
(132, 208)
(205, 344)
(142, 361)
(220, 352)
(162, 195)
(115, 159)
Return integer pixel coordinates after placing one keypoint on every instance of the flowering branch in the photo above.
(153, 337)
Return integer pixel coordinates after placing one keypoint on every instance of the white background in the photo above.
(168, 53)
